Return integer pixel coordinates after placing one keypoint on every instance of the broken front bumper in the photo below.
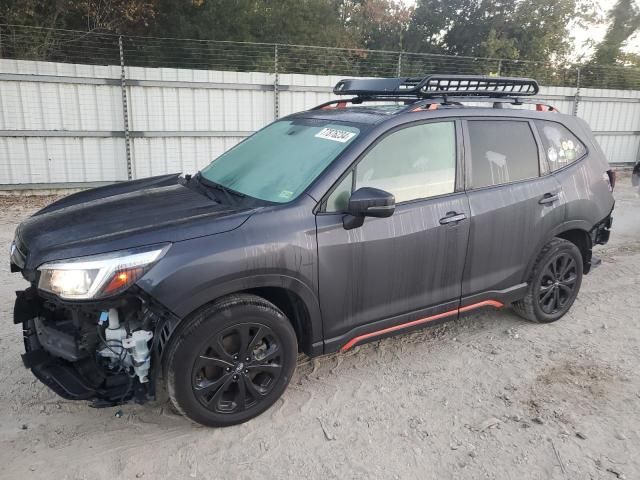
(65, 346)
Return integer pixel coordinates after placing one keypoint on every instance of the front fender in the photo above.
(286, 282)
(264, 252)
(204, 296)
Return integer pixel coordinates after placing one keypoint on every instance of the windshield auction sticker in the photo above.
(336, 135)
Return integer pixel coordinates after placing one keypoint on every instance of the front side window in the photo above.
(280, 161)
(561, 146)
(413, 163)
(501, 152)
(339, 198)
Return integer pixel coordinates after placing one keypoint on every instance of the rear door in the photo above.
(409, 263)
(514, 204)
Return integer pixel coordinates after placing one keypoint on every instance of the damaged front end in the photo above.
(89, 332)
(107, 351)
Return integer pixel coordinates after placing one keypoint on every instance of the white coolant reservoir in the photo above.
(114, 335)
(138, 347)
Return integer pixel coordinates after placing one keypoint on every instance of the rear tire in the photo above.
(554, 283)
(231, 361)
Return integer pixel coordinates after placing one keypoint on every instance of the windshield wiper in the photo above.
(231, 196)
(194, 183)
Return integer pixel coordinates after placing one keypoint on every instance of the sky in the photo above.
(582, 35)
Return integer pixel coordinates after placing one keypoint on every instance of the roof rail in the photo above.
(438, 86)
(415, 104)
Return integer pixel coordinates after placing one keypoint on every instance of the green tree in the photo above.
(113, 16)
(625, 21)
(311, 22)
(376, 24)
(534, 29)
(93, 17)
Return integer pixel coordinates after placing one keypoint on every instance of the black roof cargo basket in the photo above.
(438, 86)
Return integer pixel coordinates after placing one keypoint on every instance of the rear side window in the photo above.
(561, 146)
(501, 152)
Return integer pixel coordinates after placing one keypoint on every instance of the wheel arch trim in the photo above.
(581, 225)
(313, 344)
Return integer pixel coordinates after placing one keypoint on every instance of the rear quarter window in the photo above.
(560, 145)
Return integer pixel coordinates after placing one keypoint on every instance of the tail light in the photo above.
(610, 178)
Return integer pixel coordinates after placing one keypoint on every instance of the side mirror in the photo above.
(368, 202)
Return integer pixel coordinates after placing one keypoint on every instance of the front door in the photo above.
(408, 266)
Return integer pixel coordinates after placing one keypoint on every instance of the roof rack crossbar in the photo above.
(437, 86)
(478, 85)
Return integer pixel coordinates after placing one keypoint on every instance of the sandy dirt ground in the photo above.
(488, 396)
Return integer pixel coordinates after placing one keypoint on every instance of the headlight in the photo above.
(98, 276)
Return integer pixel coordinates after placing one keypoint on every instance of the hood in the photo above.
(125, 215)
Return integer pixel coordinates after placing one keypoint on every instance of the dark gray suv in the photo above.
(412, 201)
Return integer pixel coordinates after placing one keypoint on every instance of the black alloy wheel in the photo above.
(558, 283)
(237, 368)
(230, 361)
(553, 284)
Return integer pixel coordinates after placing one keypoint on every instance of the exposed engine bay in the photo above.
(104, 352)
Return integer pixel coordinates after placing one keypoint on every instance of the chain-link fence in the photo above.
(31, 43)
(80, 109)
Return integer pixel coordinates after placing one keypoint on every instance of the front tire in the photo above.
(231, 361)
(554, 283)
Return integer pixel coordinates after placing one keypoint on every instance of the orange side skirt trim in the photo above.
(359, 338)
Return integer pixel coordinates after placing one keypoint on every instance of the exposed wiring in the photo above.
(127, 390)
(120, 357)
(106, 344)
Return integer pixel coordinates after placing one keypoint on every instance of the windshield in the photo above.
(278, 162)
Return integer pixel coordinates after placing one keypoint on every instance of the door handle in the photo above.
(549, 198)
(452, 217)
